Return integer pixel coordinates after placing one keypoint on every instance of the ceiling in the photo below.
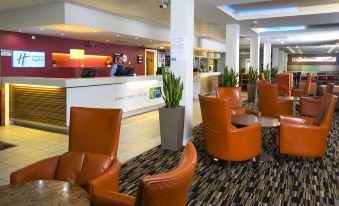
(320, 18)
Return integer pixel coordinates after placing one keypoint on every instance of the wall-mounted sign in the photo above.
(139, 59)
(161, 59)
(6, 53)
(28, 59)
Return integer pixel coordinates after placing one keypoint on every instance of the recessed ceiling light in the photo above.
(281, 42)
(41, 29)
(95, 31)
(135, 38)
(107, 40)
(62, 34)
(117, 35)
(278, 39)
(255, 22)
(297, 47)
(19, 30)
(162, 47)
(150, 40)
(66, 26)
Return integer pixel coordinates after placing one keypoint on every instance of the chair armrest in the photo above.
(247, 111)
(303, 140)
(296, 120)
(41, 170)
(310, 106)
(104, 197)
(108, 180)
(285, 107)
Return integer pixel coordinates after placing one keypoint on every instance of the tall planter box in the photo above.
(172, 128)
(251, 92)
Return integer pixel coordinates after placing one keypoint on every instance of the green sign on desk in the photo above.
(155, 92)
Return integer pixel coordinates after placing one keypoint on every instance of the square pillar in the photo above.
(232, 46)
(255, 51)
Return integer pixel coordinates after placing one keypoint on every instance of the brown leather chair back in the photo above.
(327, 107)
(268, 103)
(169, 188)
(285, 83)
(261, 82)
(307, 88)
(232, 94)
(95, 130)
(329, 88)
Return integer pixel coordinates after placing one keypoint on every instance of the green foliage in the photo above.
(267, 72)
(172, 89)
(275, 71)
(253, 75)
(229, 78)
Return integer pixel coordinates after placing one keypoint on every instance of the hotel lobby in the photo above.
(169, 102)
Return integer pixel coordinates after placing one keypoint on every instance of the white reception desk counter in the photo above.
(47, 101)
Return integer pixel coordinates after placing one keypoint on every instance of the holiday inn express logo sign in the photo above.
(155, 92)
(27, 59)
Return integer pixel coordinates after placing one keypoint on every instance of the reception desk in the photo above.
(46, 102)
(205, 83)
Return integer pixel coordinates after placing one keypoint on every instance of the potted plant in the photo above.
(171, 116)
(109, 63)
(252, 87)
(229, 82)
(267, 72)
(274, 73)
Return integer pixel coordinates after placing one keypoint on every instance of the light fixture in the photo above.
(279, 28)
(162, 47)
(19, 30)
(117, 35)
(281, 42)
(150, 40)
(66, 26)
(107, 40)
(62, 34)
(77, 54)
(297, 47)
(41, 29)
(135, 38)
(95, 31)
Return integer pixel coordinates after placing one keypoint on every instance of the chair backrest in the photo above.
(169, 188)
(285, 83)
(95, 130)
(268, 103)
(327, 107)
(307, 88)
(329, 88)
(260, 83)
(262, 76)
(232, 94)
(216, 119)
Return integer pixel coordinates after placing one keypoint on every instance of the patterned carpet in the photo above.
(297, 181)
(4, 145)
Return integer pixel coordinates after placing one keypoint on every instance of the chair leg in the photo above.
(282, 158)
(321, 163)
(257, 161)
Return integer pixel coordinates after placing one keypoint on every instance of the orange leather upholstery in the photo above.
(165, 189)
(310, 106)
(233, 95)
(224, 141)
(262, 76)
(306, 91)
(284, 80)
(307, 137)
(92, 157)
(269, 104)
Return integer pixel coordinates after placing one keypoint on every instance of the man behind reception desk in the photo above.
(118, 68)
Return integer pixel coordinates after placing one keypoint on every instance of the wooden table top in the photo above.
(249, 119)
(43, 192)
(292, 98)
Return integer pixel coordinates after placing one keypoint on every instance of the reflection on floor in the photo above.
(138, 134)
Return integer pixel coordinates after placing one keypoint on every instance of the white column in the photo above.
(255, 51)
(267, 54)
(285, 60)
(182, 37)
(232, 46)
(275, 57)
(281, 61)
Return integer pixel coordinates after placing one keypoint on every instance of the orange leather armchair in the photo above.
(307, 137)
(310, 106)
(306, 91)
(223, 141)
(92, 157)
(165, 189)
(269, 104)
(233, 95)
(284, 80)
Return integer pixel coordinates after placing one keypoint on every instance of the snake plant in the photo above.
(172, 89)
(253, 75)
(267, 72)
(229, 78)
(275, 71)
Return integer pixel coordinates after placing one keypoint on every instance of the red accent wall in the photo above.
(50, 44)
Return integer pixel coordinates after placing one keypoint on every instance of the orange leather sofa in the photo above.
(233, 96)
(223, 141)
(269, 105)
(306, 91)
(310, 106)
(165, 189)
(92, 158)
(284, 80)
(307, 137)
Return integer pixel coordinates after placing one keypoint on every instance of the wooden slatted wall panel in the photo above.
(38, 105)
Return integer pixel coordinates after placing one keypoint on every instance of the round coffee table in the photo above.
(43, 192)
(249, 119)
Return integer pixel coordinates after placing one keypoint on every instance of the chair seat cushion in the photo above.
(80, 167)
